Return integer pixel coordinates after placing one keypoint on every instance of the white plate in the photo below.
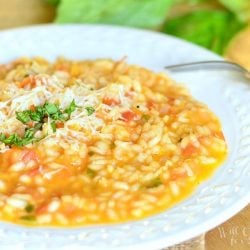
(228, 95)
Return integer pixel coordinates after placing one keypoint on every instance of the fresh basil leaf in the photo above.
(16, 140)
(212, 29)
(142, 13)
(53, 2)
(240, 7)
(39, 115)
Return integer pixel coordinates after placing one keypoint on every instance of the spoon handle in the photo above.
(210, 65)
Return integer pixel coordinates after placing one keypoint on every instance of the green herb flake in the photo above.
(112, 145)
(90, 172)
(53, 2)
(28, 217)
(145, 117)
(59, 116)
(13, 139)
(212, 29)
(2, 137)
(38, 126)
(90, 110)
(240, 7)
(53, 126)
(142, 13)
(90, 153)
(154, 183)
(71, 108)
(39, 115)
(29, 133)
(29, 208)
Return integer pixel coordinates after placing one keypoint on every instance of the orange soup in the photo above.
(92, 142)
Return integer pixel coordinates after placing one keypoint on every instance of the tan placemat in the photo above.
(197, 243)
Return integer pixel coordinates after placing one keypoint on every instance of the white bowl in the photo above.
(227, 94)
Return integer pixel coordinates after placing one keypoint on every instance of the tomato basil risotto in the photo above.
(98, 142)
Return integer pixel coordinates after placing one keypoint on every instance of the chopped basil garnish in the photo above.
(38, 116)
(90, 110)
(23, 116)
(53, 126)
(51, 109)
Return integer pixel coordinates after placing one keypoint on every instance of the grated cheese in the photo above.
(56, 89)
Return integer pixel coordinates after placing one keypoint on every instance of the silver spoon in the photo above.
(211, 65)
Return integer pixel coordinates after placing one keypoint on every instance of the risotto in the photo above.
(91, 142)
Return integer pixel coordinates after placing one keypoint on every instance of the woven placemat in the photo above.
(197, 243)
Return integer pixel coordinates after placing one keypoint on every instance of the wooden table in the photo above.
(233, 234)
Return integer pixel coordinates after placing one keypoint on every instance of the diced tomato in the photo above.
(62, 67)
(189, 150)
(33, 172)
(151, 104)
(59, 124)
(29, 155)
(42, 209)
(32, 107)
(13, 155)
(111, 101)
(171, 100)
(61, 175)
(128, 115)
(177, 174)
(129, 94)
(16, 154)
(165, 109)
(30, 124)
(69, 209)
(205, 140)
(27, 81)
